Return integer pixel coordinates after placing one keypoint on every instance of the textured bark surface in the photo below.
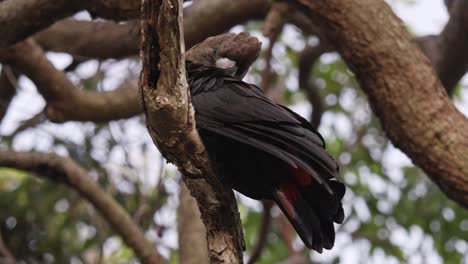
(170, 120)
(192, 232)
(403, 89)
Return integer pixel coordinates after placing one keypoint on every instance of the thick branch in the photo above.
(118, 40)
(192, 231)
(65, 170)
(204, 18)
(64, 100)
(402, 87)
(170, 121)
(103, 39)
(99, 39)
(21, 18)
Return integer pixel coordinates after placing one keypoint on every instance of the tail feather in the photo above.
(304, 220)
(312, 209)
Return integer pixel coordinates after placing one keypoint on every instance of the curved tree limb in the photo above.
(203, 18)
(66, 171)
(91, 39)
(64, 101)
(170, 121)
(21, 18)
(88, 39)
(105, 39)
(402, 87)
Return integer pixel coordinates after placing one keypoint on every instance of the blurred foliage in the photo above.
(394, 214)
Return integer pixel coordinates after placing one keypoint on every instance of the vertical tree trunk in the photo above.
(170, 121)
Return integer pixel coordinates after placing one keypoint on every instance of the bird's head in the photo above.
(233, 52)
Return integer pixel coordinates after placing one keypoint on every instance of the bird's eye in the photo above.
(215, 50)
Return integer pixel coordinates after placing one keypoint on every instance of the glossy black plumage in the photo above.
(266, 151)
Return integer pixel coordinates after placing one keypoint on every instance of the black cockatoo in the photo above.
(259, 148)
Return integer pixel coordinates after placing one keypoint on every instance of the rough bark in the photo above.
(170, 121)
(192, 231)
(66, 171)
(402, 87)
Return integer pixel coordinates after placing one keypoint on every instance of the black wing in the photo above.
(229, 107)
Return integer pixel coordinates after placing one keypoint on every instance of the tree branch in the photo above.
(402, 87)
(170, 121)
(204, 18)
(22, 18)
(97, 39)
(64, 101)
(66, 171)
(104, 39)
(192, 231)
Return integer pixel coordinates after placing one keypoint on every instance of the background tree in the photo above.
(68, 81)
